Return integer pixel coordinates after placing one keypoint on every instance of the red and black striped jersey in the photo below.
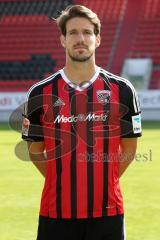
(81, 126)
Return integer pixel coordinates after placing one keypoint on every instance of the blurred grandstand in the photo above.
(30, 49)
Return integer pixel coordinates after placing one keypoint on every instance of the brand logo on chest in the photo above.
(59, 102)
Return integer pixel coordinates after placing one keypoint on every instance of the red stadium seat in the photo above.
(123, 34)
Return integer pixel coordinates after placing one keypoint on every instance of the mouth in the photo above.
(80, 47)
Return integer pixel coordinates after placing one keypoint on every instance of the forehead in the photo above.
(79, 23)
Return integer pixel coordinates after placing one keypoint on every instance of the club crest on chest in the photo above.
(103, 96)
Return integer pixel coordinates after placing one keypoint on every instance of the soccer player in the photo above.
(81, 125)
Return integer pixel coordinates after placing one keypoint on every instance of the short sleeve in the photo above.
(32, 129)
(130, 112)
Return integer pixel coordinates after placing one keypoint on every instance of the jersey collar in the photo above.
(84, 85)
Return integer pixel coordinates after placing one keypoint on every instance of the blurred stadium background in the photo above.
(30, 51)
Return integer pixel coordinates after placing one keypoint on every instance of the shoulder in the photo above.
(124, 84)
(37, 88)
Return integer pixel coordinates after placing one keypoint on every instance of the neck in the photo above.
(79, 72)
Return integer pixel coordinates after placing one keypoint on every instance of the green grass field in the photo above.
(21, 185)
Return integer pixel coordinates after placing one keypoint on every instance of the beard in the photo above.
(79, 58)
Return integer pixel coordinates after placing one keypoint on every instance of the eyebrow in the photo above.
(85, 29)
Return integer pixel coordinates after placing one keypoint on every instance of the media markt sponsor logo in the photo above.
(136, 122)
(82, 118)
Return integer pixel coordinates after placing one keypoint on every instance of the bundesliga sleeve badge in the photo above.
(136, 122)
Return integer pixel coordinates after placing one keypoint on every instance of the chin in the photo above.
(84, 59)
(79, 57)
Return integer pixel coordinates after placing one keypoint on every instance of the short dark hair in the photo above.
(78, 11)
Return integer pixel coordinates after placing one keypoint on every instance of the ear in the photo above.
(98, 40)
(63, 41)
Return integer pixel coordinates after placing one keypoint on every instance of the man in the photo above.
(81, 125)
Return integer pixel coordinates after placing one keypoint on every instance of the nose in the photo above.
(81, 37)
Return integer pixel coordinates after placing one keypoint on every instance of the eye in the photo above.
(87, 32)
(72, 32)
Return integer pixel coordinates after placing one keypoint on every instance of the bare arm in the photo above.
(36, 153)
(128, 148)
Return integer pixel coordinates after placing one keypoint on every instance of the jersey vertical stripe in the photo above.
(73, 156)
(65, 152)
(98, 152)
(106, 160)
(81, 155)
(90, 152)
(49, 192)
(55, 91)
(113, 147)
